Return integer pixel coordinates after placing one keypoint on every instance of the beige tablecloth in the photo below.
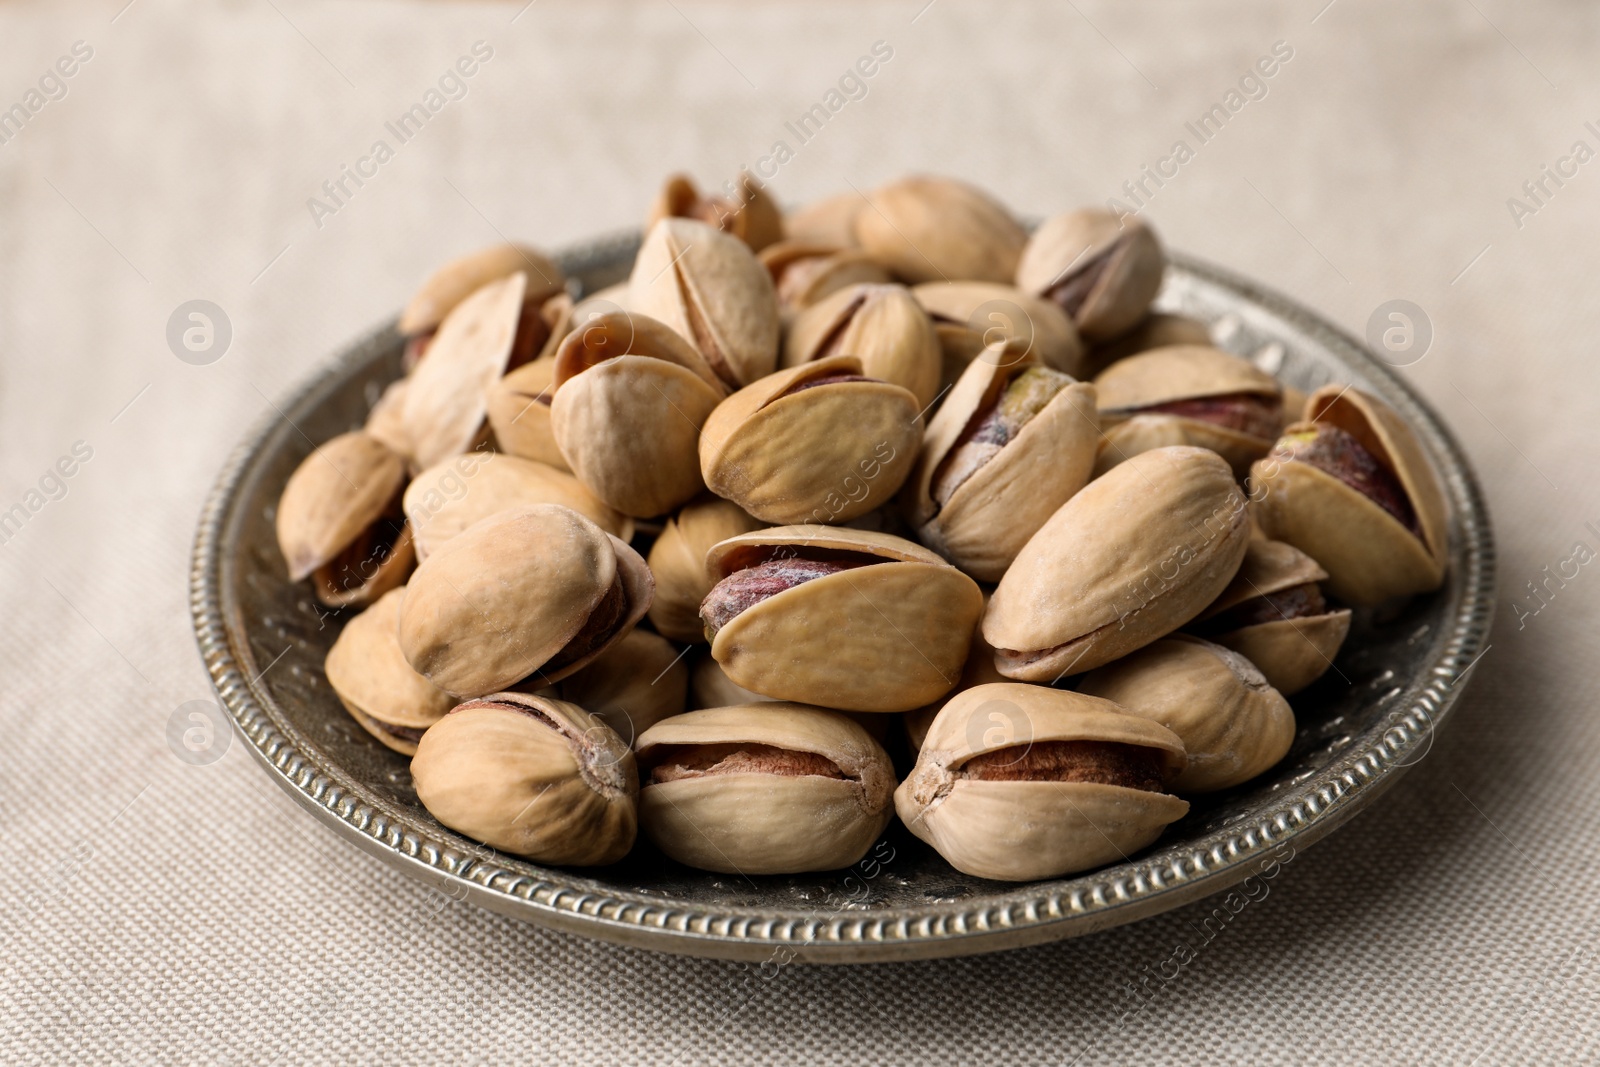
(157, 912)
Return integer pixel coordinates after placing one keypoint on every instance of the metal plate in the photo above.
(1359, 727)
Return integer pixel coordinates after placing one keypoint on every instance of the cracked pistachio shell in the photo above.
(970, 316)
(881, 325)
(1103, 270)
(630, 399)
(1233, 724)
(1133, 556)
(501, 599)
(928, 229)
(678, 561)
(804, 272)
(465, 275)
(979, 670)
(611, 298)
(1176, 373)
(711, 290)
(1291, 652)
(1369, 556)
(750, 215)
(710, 687)
(632, 685)
(447, 498)
(888, 636)
(829, 453)
(766, 810)
(992, 514)
(829, 221)
(531, 776)
(519, 413)
(386, 421)
(1156, 330)
(448, 397)
(1022, 830)
(376, 685)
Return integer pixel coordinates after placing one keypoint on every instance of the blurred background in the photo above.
(157, 152)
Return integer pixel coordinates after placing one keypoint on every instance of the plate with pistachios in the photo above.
(883, 579)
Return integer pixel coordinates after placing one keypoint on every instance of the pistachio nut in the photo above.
(1012, 443)
(1134, 555)
(519, 413)
(376, 685)
(630, 398)
(532, 776)
(928, 229)
(841, 618)
(1233, 724)
(339, 521)
(537, 588)
(767, 788)
(979, 670)
(1104, 270)
(804, 272)
(970, 316)
(386, 421)
(632, 685)
(1158, 329)
(678, 561)
(748, 213)
(1022, 782)
(1188, 395)
(710, 289)
(447, 498)
(710, 686)
(1354, 490)
(1274, 615)
(460, 278)
(881, 325)
(829, 221)
(611, 298)
(818, 442)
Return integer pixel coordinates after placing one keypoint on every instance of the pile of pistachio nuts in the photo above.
(694, 554)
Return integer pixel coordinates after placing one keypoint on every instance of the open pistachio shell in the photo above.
(829, 221)
(768, 788)
(448, 397)
(386, 421)
(519, 413)
(1022, 782)
(889, 635)
(678, 561)
(465, 275)
(1133, 556)
(710, 289)
(881, 325)
(786, 452)
(1102, 269)
(632, 685)
(748, 213)
(927, 229)
(533, 588)
(630, 398)
(1233, 724)
(979, 670)
(1370, 556)
(1158, 329)
(710, 686)
(985, 521)
(970, 316)
(447, 498)
(532, 776)
(1131, 389)
(372, 679)
(804, 272)
(1297, 636)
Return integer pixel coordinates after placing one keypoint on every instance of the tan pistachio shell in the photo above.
(1026, 830)
(1174, 373)
(386, 420)
(763, 820)
(829, 453)
(804, 272)
(448, 397)
(1159, 329)
(829, 221)
(531, 776)
(710, 289)
(970, 316)
(630, 399)
(678, 561)
(447, 498)
(611, 298)
(370, 676)
(928, 229)
(335, 495)
(632, 685)
(461, 277)
(710, 686)
(495, 603)
(1233, 724)
(519, 413)
(979, 670)
(1369, 556)
(1133, 556)
(749, 214)
(881, 325)
(889, 636)
(1110, 267)
(994, 512)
